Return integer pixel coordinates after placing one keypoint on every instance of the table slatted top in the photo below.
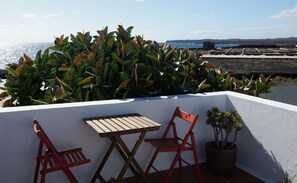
(122, 124)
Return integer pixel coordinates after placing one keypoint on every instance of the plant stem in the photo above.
(216, 136)
(225, 140)
(222, 135)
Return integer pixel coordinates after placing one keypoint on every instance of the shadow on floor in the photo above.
(187, 175)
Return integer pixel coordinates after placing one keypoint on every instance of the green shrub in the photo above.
(107, 66)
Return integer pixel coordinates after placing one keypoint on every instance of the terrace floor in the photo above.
(187, 175)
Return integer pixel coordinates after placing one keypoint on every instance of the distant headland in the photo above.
(237, 41)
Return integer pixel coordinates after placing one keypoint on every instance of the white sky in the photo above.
(160, 20)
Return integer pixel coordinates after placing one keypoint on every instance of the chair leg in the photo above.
(177, 157)
(152, 161)
(38, 161)
(196, 158)
(69, 175)
(36, 174)
(43, 172)
(42, 179)
(180, 162)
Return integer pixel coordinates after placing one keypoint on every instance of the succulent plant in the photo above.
(223, 123)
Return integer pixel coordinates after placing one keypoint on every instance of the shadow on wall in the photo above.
(252, 153)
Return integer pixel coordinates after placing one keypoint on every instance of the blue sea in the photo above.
(11, 52)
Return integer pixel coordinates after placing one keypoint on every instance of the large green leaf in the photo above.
(128, 84)
(86, 80)
(115, 65)
(76, 42)
(116, 58)
(53, 62)
(37, 102)
(153, 57)
(145, 82)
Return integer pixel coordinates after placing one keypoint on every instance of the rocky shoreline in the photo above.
(282, 66)
(3, 73)
(254, 60)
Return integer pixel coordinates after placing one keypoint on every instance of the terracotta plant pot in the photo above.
(220, 161)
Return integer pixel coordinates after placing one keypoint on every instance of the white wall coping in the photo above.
(262, 100)
(105, 102)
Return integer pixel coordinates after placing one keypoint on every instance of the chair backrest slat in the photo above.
(190, 118)
(185, 116)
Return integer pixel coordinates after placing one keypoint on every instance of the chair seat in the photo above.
(71, 158)
(165, 144)
(173, 143)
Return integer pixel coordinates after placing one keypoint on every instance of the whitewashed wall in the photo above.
(268, 141)
(267, 144)
(64, 125)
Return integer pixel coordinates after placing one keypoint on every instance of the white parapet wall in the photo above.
(65, 126)
(266, 144)
(268, 141)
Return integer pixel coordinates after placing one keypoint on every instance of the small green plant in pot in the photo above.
(221, 153)
(287, 178)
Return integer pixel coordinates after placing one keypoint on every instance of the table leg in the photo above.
(130, 156)
(97, 174)
(122, 153)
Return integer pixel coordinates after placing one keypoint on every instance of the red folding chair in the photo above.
(176, 144)
(51, 160)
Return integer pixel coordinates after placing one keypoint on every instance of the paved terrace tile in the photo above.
(187, 175)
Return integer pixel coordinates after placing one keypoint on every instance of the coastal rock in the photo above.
(3, 74)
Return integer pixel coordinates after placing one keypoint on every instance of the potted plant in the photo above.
(221, 153)
(287, 178)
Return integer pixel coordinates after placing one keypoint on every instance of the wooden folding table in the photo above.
(115, 126)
